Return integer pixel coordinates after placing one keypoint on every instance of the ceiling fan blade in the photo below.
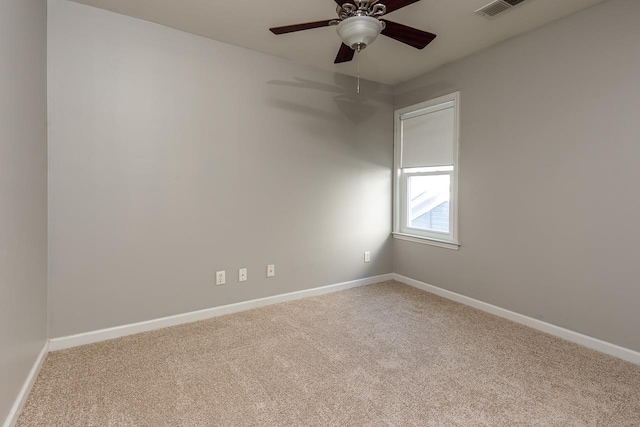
(345, 54)
(407, 35)
(341, 2)
(397, 4)
(300, 27)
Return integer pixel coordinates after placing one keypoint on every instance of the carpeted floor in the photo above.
(378, 355)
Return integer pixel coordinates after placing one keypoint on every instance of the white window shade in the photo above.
(428, 137)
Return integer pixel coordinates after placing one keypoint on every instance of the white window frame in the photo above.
(401, 230)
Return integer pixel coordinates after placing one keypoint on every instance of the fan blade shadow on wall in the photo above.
(355, 107)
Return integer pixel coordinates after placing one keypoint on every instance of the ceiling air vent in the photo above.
(497, 7)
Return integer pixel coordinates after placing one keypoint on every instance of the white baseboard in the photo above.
(16, 409)
(179, 319)
(575, 337)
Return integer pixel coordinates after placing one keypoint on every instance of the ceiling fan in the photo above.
(359, 24)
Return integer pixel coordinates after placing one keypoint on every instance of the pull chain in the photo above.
(358, 62)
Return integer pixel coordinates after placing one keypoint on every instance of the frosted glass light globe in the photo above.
(359, 31)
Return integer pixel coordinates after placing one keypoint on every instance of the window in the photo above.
(426, 172)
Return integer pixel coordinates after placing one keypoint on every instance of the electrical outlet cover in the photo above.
(220, 278)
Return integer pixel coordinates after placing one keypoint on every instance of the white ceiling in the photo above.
(245, 23)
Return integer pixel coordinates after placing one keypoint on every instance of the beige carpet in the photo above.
(379, 355)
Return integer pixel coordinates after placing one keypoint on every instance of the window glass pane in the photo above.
(428, 202)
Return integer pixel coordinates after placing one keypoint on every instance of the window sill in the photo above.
(426, 241)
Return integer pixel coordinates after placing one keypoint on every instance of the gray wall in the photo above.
(173, 156)
(23, 192)
(549, 165)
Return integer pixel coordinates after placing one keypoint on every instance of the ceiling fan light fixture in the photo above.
(358, 32)
(359, 24)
